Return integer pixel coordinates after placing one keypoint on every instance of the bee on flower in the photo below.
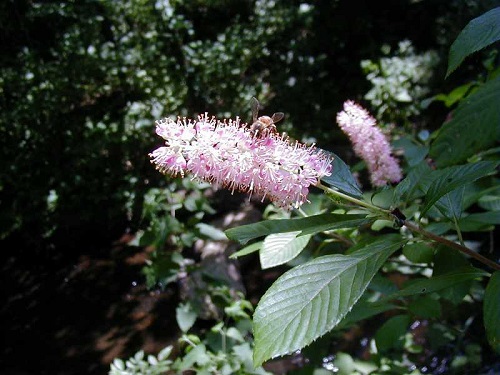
(233, 155)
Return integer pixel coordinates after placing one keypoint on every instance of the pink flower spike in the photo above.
(228, 154)
(369, 143)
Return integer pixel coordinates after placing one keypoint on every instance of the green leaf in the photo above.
(455, 95)
(306, 225)
(409, 188)
(165, 353)
(451, 178)
(311, 299)
(478, 34)
(211, 232)
(414, 153)
(186, 316)
(436, 283)
(425, 307)
(342, 178)
(247, 250)
(473, 128)
(451, 204)
(480, 221)
(364, 310)
(392, 332)
(418, 252)
(280, 248)
(491, 311)
(490, 202)
(197, 355)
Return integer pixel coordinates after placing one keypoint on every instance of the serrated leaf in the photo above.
(478, 34)
(473, 128)
(280, 248)
(491, 311)
(342, 178)
(436, 283)
(311, 299)
(306, 225)
(451, 178)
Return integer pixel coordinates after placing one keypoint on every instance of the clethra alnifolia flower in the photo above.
(369, 143)
(227, 154)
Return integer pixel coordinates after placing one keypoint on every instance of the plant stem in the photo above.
(346, 197)
(412, 226)
(415, 228)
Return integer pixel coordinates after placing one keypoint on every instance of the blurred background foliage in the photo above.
(82, 82)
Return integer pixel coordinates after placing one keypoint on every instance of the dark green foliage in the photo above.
(83, 82)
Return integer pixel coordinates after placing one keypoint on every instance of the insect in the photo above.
(263, 125)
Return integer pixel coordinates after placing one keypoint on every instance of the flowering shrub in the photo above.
(425, 216)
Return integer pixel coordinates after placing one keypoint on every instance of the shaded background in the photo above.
(80, 87)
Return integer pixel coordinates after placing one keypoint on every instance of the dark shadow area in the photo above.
(74, 316)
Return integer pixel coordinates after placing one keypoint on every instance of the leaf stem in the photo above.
(459, 232)
(415, 228)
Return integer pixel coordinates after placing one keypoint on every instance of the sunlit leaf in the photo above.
(306, 225)
(478, 34)
(311, 299)
(280, 248)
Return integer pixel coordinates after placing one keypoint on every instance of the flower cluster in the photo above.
(369, 143)
(227, 154)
